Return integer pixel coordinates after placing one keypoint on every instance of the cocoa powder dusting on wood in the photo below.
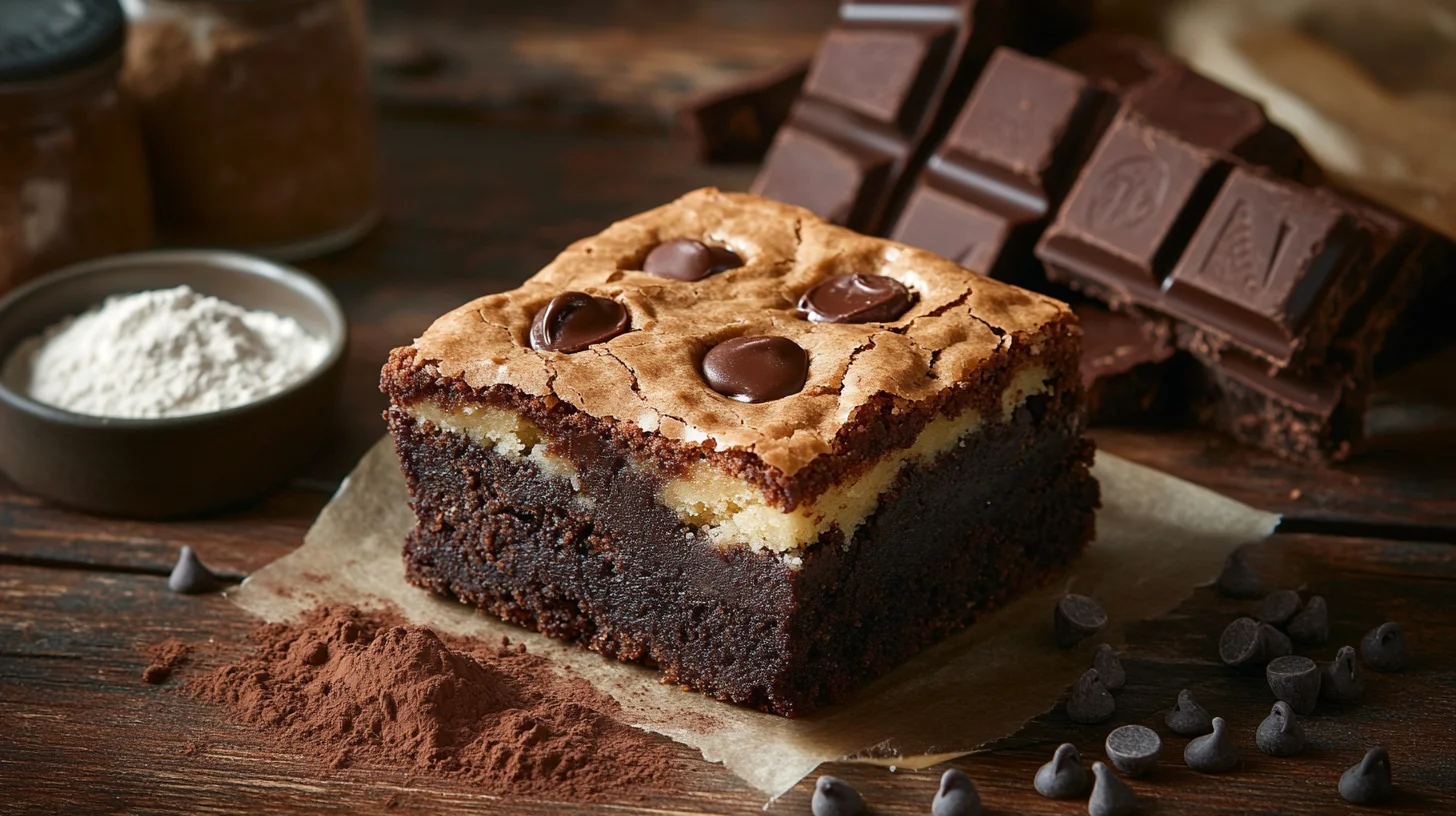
(167, 657)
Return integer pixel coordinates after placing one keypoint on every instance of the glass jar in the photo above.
(73, 179)
(259, 121)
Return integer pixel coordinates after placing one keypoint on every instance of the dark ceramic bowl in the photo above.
(184, 466)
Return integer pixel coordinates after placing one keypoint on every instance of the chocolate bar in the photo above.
(1118, 61)
(737, 123)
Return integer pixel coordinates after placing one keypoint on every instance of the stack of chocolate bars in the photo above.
(1216, 275)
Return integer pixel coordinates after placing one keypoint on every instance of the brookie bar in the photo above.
(767, 455)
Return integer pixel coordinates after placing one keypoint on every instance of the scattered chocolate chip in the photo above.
(832, 797)
(1076, 618)
(1214, 753)
(1383, 648)
(756, 369)
(571, 321)
(1279, 606)
(1242, 643)
(1276, 643)
(856, 299)
(1295, 680)
(1312, 624)
(957, 796)
(1109, 668)
(1110, 796)
(1090, 701)
(1188, 717)
(685, 259)
(1134, 749)
(1238, 579)
(1368, 782)
(1280, 734)
(190, 577)
(1340, 681)
(1064, 777)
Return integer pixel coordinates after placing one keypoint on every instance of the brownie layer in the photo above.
(594, 558)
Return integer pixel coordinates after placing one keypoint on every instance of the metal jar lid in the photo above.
(42, 39)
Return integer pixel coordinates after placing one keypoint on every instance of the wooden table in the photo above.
(475, 205)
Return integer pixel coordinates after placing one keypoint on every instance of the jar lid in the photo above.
(40, 39)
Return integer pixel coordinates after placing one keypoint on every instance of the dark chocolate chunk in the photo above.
(190, 577)
(1090, 702)
(737, 122)
(685, 259)
(834, 797)
(957, 796)
(1280, 734)
(1076, 618)
(1239, 579)
(1312, 417)
(1295, 680)
(1064, 777)
(1110, 795)
(1188, 717)
(1340, 681)
(839, 183)
(1383, 648)
(1127, 368)
(1119, 61)
(571, 321)
(1213, 753)
(1242, 643)
(1279, 606)
(756, 369)
(1108, 667)
(1368, 782)
(856, 298)
(1312, 624)
(1134, 749)
(1276, 643)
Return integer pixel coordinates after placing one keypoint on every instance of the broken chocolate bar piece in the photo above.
(736, 123)
(1302, 418)
(986, 193)
(1128, 367)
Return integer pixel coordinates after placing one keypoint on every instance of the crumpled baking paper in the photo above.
(1158, 537)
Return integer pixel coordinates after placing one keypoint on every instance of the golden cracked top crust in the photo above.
(650, 375)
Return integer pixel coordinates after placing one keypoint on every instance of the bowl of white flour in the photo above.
(167, 384)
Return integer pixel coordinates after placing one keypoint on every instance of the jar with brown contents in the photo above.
(259, 121)
(73, 179)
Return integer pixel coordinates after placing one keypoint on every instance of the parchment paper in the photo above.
(1158, 537)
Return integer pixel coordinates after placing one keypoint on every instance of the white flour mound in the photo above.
(163, 353)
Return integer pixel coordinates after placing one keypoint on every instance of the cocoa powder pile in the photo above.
(360, 689)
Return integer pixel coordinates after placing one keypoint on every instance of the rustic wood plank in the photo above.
(79, 731)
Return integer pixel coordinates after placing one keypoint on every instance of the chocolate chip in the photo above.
(1064, 777)
(1214, 753)
(1368, 783)
(1276, 643)
(1242, 643)
(1109, 668)
(1312, 624)
(1280, 734)
(571, 321)
(1340, 682)
(756, 369)
(957, 796)
(832, 797)
(1295, 680)
(687, 260)
(190, 577)
(1134, 749)
(1383, 648)
(1090, 701)
(856, 299)
(1076, 618)
(1279, 606)
(1110, 796)
(1188, 717)
(1238, 579)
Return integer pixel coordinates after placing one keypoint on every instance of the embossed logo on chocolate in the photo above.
(756, 369)
(571, 321)
(1128, 193)
(685, 259)
(856, 299)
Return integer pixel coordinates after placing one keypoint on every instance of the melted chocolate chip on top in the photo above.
(856, 299)
(687, 260)
(571, 321)
(756, 369)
